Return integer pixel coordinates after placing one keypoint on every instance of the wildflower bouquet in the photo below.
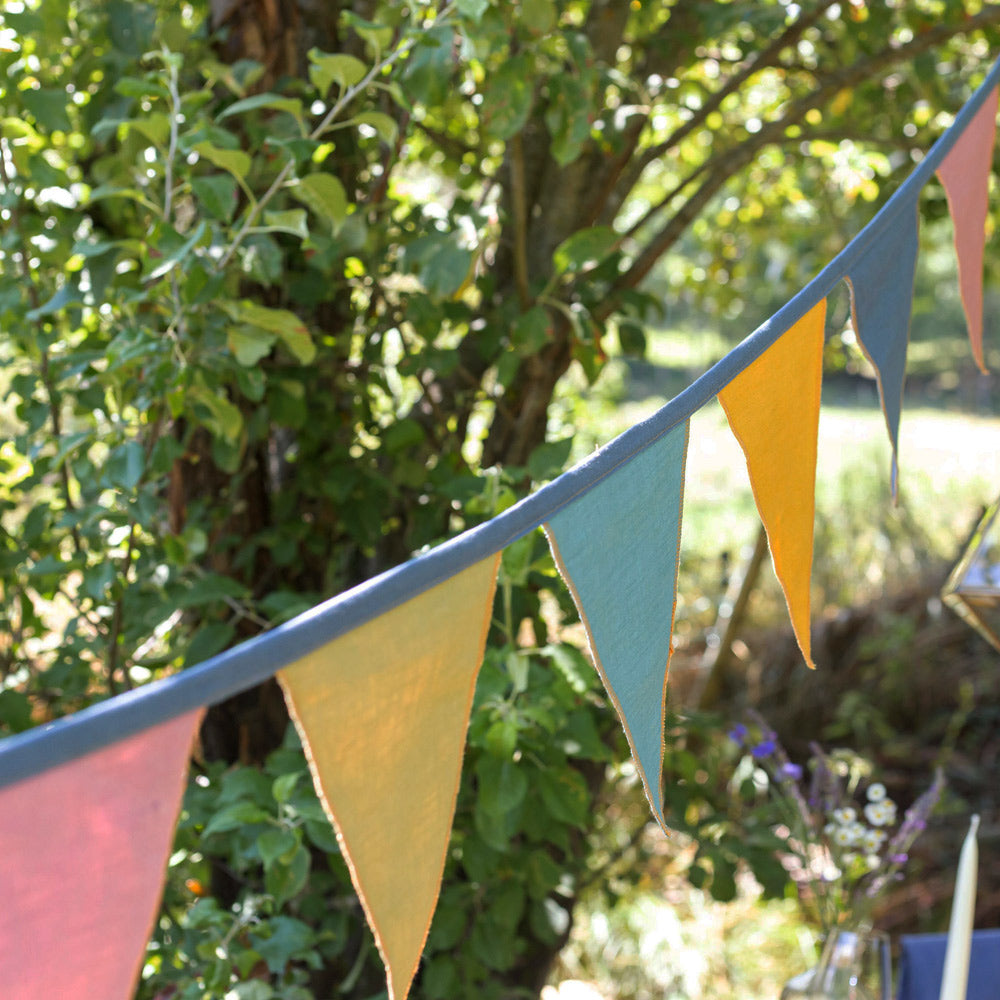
(845, 842)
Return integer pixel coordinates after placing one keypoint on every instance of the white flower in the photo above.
(843, 836)
(881, 813)
(876, 792)
(845, 815)
(873, 840)
(873, 861)
(858, 830)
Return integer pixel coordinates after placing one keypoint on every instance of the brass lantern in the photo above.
(973, 588)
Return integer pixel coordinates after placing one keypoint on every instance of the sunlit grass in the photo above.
(670, 940)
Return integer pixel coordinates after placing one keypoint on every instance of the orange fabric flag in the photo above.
(965, 174)
(382, 712)
(773, 409)
(84, 849)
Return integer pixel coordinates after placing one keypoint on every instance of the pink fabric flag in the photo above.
(965, 174)
(83, 853)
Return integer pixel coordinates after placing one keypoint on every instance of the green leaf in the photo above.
(568, 117)
(235, 161)
(507, 905)
(327, 68)
(439, 975)
(125, 465)
(68, 295)
(321, 835)
(632, 337)
(584, 249)
(531, 331)
(516, 560)
(131, 26)
(224, 418)
(503, 785)
(508, 97)
(441, 263)
(294, 334)
(169, 263)
(255, 989)
(217, 194)
(15, 711)
(283, 880)
(549, 459)
(154, 126)
(291, 105)
(249, 344)
(402, 435)
(472, 9)
(501, 738)
(565, 795)
(292, 221)
(208, 588)
(285, 785)
(113, 191)
(287, 940)
(518, 666)
(48, 107)
(324, 195)
(478, 859)
(426, 73)
(233, 817)
(277, 845)
(543, 874)
(723, 885)
(570, 662)
(378, 36)
(140, 86)
(385, 125)
(538, 15)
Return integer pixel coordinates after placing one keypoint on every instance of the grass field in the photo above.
(673, 941)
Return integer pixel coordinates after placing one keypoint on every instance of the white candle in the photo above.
(955, 976)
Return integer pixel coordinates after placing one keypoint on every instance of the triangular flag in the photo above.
(773, 409)
(84, 849)
(965, 174)
(383, 712)
(881, 284)
(616, 547)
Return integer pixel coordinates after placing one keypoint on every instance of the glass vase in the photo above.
(852, 966)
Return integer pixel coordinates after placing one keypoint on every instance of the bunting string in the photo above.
(259, 658)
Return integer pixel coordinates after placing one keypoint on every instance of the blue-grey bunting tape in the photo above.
(257, 659)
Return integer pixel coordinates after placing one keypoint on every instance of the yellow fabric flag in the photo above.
(773, 409)
(383, 712)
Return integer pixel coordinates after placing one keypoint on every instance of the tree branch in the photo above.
(518, 201)
(720, 168)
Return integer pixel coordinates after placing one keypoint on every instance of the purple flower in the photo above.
(763, 749)
(899, 859)
(738, 734)
(793, 772)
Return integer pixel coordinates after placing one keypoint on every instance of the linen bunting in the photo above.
(381, 678)
(965, 174)
(617, 550)
(85, 848)
(383, 712)
(773, 410)
(881, 284)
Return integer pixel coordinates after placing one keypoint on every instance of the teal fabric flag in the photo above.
(616, 547)
(881, 283)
